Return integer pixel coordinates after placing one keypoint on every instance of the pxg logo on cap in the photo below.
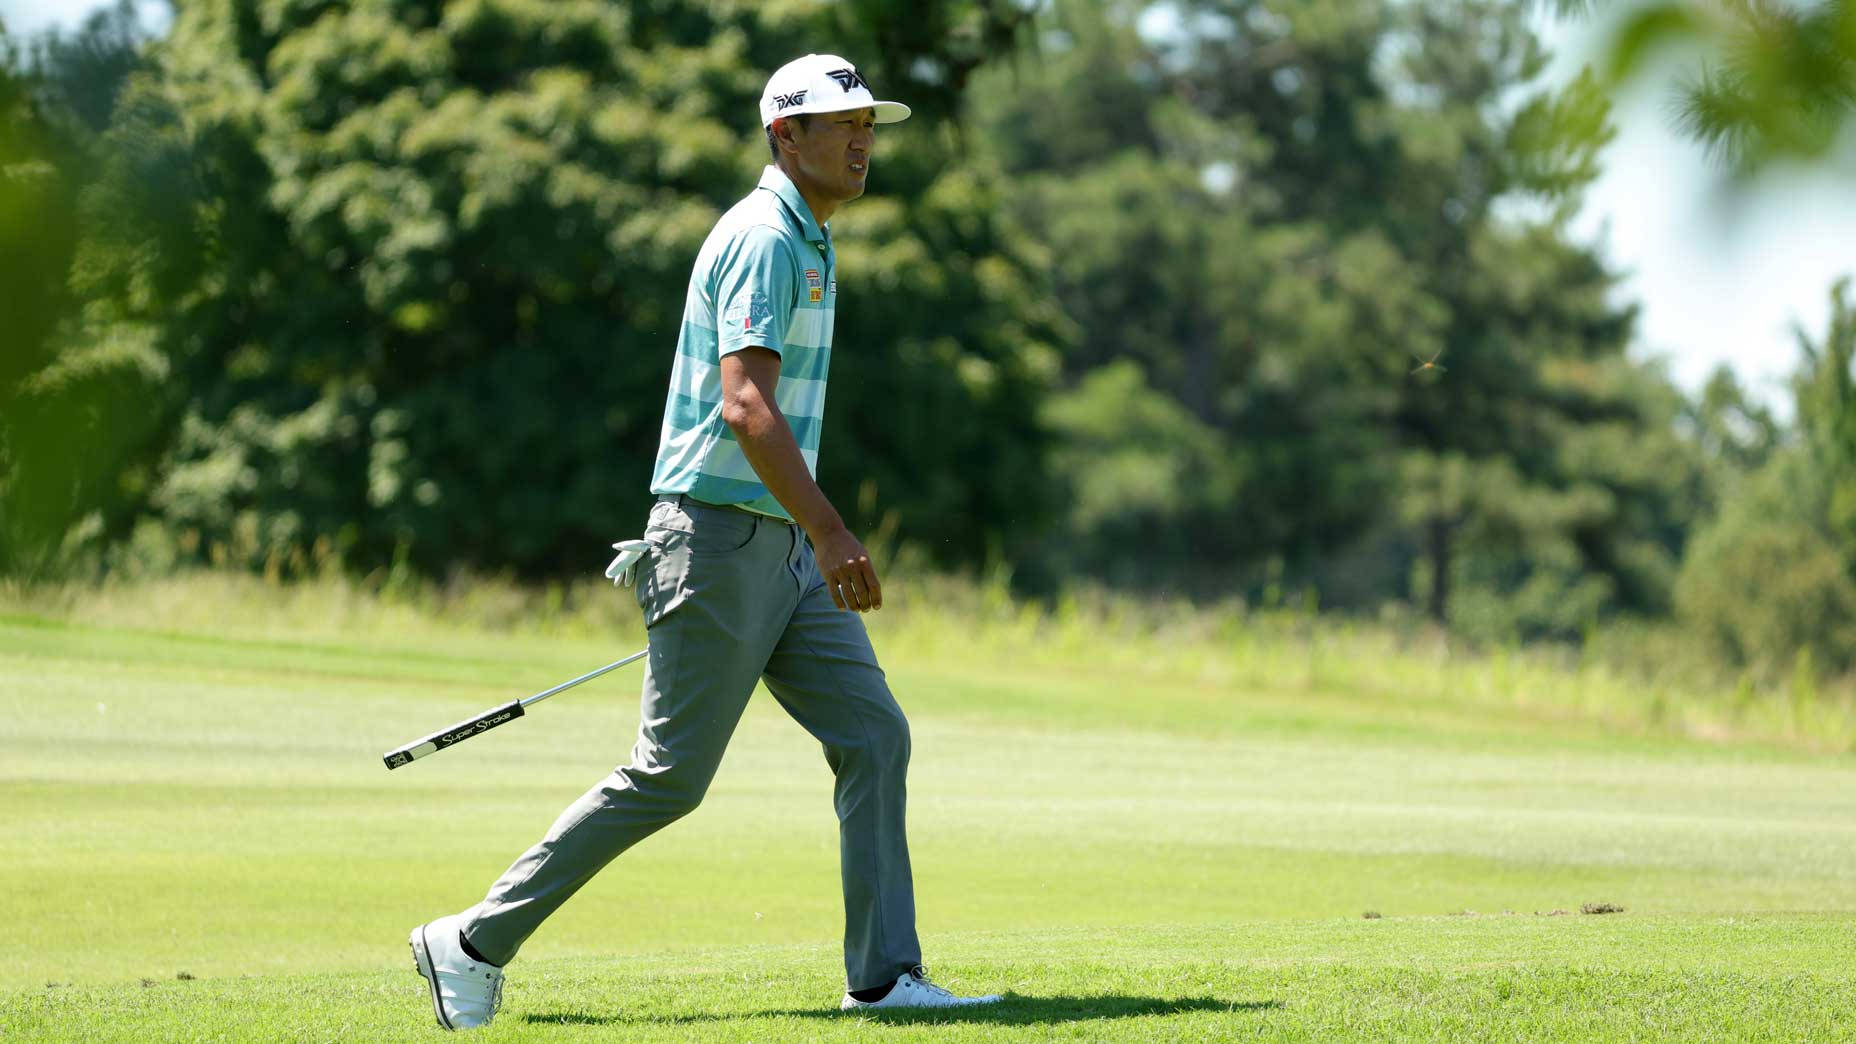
(848, 78)
(822, 83)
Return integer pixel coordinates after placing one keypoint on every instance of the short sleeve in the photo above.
(755, 291)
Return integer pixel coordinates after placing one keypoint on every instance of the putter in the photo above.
(489, 719)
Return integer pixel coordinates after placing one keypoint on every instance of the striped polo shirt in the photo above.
(763, 278)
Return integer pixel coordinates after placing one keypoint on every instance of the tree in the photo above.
(440, 252)
(73, 430)
(1774, 574)
(1282, 213)
(1824, 391)
(80, 74)
(36, 200)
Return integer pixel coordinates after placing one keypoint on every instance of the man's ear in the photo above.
(788, 128)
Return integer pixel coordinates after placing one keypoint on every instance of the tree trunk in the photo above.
(1439, 551)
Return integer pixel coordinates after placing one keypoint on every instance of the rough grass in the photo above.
(1639, 681)
(1147, 824)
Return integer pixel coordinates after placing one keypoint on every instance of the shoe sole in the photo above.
(422, 963)
(853, 1004)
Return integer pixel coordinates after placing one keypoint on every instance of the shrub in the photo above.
(1761, 586)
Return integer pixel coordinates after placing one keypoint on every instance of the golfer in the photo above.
(752, 577)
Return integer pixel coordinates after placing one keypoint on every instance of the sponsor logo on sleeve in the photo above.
(748, 310)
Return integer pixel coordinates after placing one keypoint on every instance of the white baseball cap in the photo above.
(822, 83)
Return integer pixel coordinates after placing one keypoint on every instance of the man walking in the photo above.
(753, 576)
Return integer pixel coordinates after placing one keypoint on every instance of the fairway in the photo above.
(202, 843)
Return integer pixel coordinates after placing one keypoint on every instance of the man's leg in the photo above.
(676, 755)
(825, 674)
(713, 617)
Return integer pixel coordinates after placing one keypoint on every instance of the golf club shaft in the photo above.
(587, 677)
(489, 719)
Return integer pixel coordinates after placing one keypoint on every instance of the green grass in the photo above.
(1146, 824)
(1618, 978)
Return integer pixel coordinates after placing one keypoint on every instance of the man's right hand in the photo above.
(750, 408)
(848, 571)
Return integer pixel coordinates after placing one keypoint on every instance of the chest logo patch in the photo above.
(814, 288)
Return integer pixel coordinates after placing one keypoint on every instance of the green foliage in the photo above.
(1147, 482)
(1556, 139)
(926, 51)
(1764, 585)
(77, 394)
(420, 269)
(1250, 298)
(82, 72)
(947, 336)
(1735, 432)
(1773, 577)
(1282, 214)
(1775, 82)
(1824, 391)
(36, 202)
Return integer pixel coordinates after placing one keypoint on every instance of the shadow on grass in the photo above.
(1012, 1011)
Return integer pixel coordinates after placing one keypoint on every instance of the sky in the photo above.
(1719, 279)
(1717, 282)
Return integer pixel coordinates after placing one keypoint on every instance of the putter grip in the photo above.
(458, 733)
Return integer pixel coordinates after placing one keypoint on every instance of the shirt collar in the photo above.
(774, 180)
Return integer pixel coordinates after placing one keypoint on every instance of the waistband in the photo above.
(684, 500)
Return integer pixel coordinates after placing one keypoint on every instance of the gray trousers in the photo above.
(730, 599)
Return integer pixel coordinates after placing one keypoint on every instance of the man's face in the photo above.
(833, 153)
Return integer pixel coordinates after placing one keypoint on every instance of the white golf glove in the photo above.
(624, 568)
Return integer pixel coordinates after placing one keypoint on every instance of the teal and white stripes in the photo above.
(763, 278)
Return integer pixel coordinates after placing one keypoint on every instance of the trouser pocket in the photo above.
(664, 585)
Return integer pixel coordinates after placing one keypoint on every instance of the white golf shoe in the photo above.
(913, 989)
(465, 993)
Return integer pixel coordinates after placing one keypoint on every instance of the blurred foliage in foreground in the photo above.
(1764, 83)
(79, 424)
(1243, 299)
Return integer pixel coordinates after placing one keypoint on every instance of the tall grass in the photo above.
(1630, 678)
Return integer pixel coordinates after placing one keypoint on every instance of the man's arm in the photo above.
(749, 377)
